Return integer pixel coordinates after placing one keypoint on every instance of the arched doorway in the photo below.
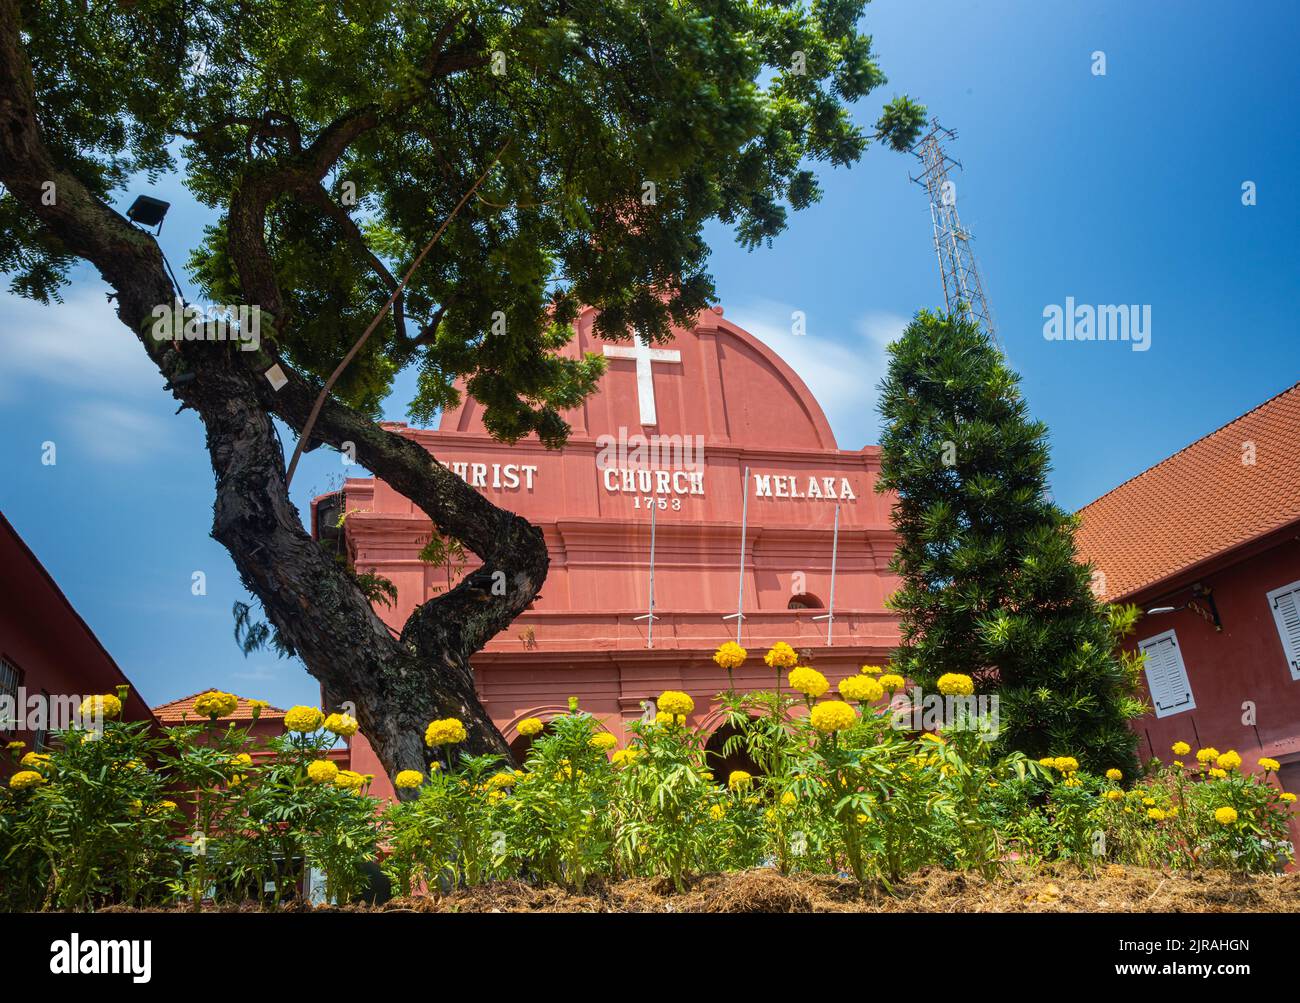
(522, 743)
(721, 763)
(804, 600)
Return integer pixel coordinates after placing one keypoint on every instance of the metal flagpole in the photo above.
(650, 617)
(740, 590)
(829, 615)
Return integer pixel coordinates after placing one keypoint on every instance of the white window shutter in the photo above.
(1285, 604)
(1171, 692)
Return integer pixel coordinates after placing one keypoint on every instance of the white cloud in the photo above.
(79, 343)
(113, 433)
(842, 368)
(77, 364)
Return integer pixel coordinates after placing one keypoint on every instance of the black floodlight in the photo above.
(148, 211)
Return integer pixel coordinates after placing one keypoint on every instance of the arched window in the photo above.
(721, 761)
(804, 600)
(522, 743)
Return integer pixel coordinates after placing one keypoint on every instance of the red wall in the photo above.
(1245, 663)
(44, 637)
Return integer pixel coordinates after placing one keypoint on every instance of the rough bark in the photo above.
(397, 684)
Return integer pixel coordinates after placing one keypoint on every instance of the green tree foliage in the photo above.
(992, 586)
(626, 126)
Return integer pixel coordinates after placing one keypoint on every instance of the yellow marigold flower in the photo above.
(676, 702)
(106, 706)
(781, 656)
(1269, 765)
(892, 682)
(730, 656)
(1225, 815)
(15, 746)
(35, 759)
(872, 670)
(1048, 761)
(164, 807)
(809, 682)
(1148, 801)
(303, 719)
(788, 798)
(625, 757)
(833, 715)
(664, 719)
(1178, 763)
(409, 779)
(241, 759)
(1218, 774)
(862, 819)
(446, 731)
(1070, 781)
(343, 725)
(1207, 755)
(1286, 796)
(1229, 760)
(349, 780)
(956, 684)
(1114, 795)
(531, 726)
(1181, 748)
(603, 740)
(717, 812)
(23, 779)
(929, 736)
(862, 689)
(1114, 774)
(1066, 764)
(500, 781)
(1156, 815)
(214, 704)
(322, 771)
(739, 780)
(257, 706)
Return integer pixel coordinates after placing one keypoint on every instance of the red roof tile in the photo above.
(173, 712)
(1203, 501)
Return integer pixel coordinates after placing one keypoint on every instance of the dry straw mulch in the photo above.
(1113, 889)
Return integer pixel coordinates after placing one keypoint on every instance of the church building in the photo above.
(701, 481)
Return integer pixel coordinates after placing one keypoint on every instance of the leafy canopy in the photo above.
(618, 128)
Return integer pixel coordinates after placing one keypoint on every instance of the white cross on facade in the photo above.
(645, 387)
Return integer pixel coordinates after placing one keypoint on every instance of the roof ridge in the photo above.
(199, 693)
(1173, 456)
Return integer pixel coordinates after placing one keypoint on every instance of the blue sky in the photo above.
(1122, 188)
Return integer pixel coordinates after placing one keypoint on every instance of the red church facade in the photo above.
(681, 445)
(1207, 543)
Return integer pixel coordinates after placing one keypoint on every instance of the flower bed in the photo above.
(836, 790)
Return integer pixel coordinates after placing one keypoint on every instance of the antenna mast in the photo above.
(963, 292)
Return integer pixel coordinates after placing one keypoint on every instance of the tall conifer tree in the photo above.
(992, 586)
